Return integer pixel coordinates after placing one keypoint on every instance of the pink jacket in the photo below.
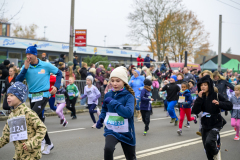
(155, 84)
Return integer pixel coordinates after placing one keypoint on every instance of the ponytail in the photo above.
(131, 91)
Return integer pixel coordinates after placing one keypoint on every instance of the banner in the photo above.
(80, 38)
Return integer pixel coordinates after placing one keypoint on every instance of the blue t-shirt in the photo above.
(38, 77)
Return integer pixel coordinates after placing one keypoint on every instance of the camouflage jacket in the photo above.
(36, 131)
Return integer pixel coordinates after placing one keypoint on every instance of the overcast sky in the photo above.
(109, 17)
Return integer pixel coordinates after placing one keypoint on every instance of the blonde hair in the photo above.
(72, 78)
(93, 70)
(84, 64)
(208, 73)
(139, 70)
(215, 89)
(216, 73)
(237, 87)
(131, 91)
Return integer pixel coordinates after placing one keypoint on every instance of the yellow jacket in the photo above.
(36, 131)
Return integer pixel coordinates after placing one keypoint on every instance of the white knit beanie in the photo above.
(120, 72)
(90, 77)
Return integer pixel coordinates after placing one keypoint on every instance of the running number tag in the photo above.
(181, 99)
(37, 97)
(194, 97)
(116, 123)
(60, 98)
(70, 92)
(18, 128)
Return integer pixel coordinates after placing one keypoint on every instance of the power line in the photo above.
(235, 2)
(229, 5)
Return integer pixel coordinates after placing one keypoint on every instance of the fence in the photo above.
(79, 83)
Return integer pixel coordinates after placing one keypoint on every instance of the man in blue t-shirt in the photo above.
(37, 74)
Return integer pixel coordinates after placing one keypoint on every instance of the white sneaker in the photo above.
(94, 125)
(48, 148)
(43, 144)
(98, 111)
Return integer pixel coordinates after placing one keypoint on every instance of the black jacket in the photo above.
(172, 91)
(83, 73)
(8, 84)
(5, 72)
(205, 104)
(222, 87)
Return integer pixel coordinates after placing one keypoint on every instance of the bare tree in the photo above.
(3, 11)
(145, 20)
(28, 32)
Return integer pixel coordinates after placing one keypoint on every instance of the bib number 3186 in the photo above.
(18, 128)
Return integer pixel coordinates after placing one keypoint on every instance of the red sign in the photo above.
(80, 38)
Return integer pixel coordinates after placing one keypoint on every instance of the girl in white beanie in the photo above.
(118, 116)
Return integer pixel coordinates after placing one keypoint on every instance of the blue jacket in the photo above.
(148, 59)
(136, 84)
(145, 105)
(123, 105)
(188, 98)
(163, 67)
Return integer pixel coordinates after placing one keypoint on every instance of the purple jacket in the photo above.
(99, 77)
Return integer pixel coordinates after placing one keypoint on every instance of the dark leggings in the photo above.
(146, 119)
(72, 104)
(111, 142)
(5, 104)
(92, 111)
(38, 107)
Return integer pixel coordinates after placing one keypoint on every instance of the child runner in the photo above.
(235, 118)
(73, 95)
(62, 100)
(118, 106)
(185, 106)
(172, 98)
(210, 103)
(31, 128)
(164, 95)
(93, 94)
(146, 106)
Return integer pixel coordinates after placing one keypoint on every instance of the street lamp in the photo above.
(105, 40)
(44, 31)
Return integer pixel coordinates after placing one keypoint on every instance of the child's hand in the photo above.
(152, 99)
(160, 89)
(215, 102)
(25, 147)
(73, 95)
(200, 94)
(196, 92)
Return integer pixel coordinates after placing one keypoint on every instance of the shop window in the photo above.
(15, 55)
(4, 29)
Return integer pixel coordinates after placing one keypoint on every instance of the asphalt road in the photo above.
(79, 141)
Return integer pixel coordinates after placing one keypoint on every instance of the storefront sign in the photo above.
(80, 38)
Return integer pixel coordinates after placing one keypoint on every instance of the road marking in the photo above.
(172, 146)
(67, 130)
(159, 119)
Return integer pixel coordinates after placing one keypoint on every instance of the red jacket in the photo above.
(52, 82)
(140, 60)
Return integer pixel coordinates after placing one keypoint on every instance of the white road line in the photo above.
(67, 130)
(173, 146)
(159, 119)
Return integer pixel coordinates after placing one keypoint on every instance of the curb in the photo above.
(4, 118)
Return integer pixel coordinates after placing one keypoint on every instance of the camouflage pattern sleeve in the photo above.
(5, 136)
(33, 120)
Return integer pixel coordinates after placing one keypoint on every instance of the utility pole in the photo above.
(70, 55)
(44, 32)
(220, 44)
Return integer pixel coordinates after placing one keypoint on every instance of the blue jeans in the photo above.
(165, 104)
(92, 111)
(51, 103)
(170, 109)
(83, 101)
(138, 100)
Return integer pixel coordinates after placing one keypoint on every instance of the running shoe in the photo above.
(199, 133)
(48, 148)
(61, 121)
(187, 125)
(94, 125)
(236, 138)
(176, 109)
(71, 114)
(172, 120)
(144, 133)
(98, 111)
(74, 117)
(217, 156)
(195, 119)
(176, 122)
(43, 144)
(65, 124)
(179, 132)
(167, 114)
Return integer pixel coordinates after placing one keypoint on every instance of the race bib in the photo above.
(71, 92)
(116, 123)
(181, 99)
(194, 96)
(37, 97)
(60, 98)
(18, 128)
